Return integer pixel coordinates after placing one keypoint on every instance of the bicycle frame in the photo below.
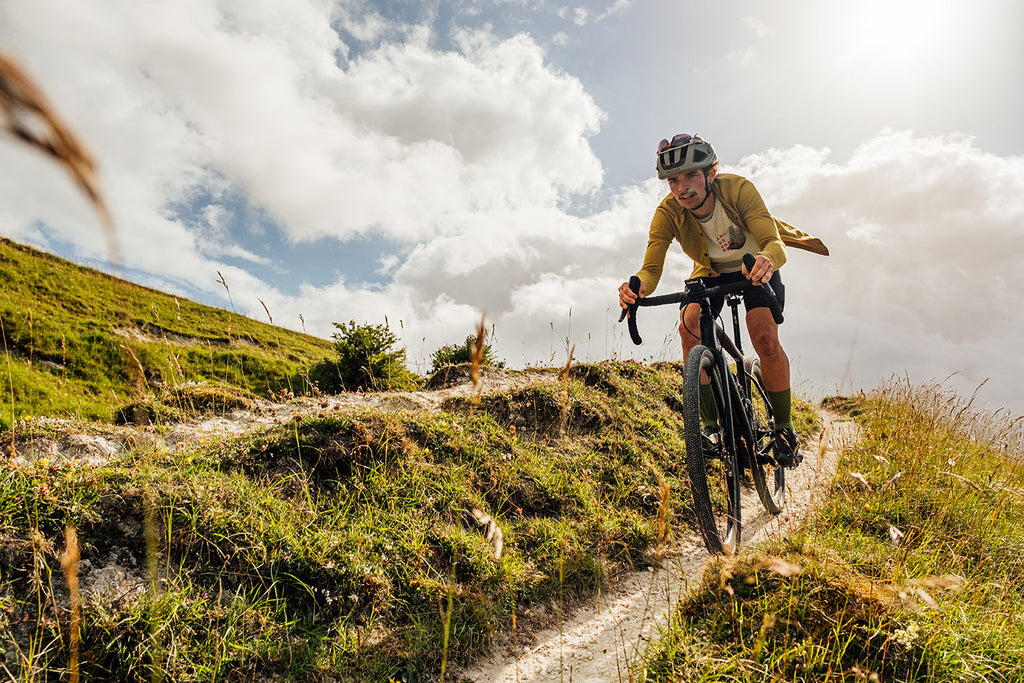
(698, 292)
(714, 337)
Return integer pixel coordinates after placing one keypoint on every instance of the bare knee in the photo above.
(764, 334)
(767, 346)
(689, 327)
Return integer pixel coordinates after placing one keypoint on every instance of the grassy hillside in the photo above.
(342, 544)
(79, 342)
(912, 570)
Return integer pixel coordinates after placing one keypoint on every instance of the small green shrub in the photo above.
(367, 361)
(456, 354)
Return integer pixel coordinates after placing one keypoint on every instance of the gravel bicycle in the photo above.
(744, 438)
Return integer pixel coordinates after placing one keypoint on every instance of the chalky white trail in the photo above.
(601, 642)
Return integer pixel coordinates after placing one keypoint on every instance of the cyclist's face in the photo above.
(689, 188)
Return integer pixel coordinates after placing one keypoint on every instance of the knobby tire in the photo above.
(758, 447)
(714, 476)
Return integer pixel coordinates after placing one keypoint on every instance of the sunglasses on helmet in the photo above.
(673, 153)
(680, 139)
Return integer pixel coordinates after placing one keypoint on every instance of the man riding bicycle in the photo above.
(717, 218)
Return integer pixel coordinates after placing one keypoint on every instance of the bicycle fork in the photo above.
(729, 451)
(707, 332)
(744, 380)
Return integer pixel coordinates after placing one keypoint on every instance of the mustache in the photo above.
(689, 193)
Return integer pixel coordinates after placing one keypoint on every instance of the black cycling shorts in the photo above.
(752, 298)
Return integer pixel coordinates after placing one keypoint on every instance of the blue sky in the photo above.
(435, 161)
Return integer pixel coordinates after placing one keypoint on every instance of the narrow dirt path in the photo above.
(601, 641)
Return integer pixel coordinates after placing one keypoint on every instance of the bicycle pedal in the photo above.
(711, 441)
(787, 449)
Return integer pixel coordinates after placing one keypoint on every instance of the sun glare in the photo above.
(898, 33)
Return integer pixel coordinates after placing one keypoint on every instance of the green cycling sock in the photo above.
(782, 407)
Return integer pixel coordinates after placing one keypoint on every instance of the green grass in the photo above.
(343, 544)
(945, 603)
(80, 343)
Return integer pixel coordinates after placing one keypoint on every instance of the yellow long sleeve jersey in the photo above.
(742, 203)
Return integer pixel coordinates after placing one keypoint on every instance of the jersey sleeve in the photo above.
(658, 241)
(761, 224)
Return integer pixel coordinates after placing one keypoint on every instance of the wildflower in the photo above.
(907, 636)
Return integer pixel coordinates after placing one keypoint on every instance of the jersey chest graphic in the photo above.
(731, 239)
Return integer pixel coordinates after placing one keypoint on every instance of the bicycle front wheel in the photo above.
(758, 446)
(713, 468)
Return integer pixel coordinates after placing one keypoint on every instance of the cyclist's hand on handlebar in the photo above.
(762, 270)
(626, 295)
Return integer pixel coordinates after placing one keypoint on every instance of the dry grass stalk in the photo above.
(220, 279)
(565, 375)
(31, 336)
(151, 530)
(136, 373)
(492, 532)
(267, 310)
(664, 491)
(10, 383)
(477, 357)
(69, 561)
(29, 117)
(564, 379)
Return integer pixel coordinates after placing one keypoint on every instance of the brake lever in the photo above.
(630, 311)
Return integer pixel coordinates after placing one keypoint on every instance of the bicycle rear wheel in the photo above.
(712, 467)
(758, 447)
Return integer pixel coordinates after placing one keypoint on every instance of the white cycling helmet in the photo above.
(684, 153)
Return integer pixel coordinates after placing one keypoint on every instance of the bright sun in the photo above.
(898, 33)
